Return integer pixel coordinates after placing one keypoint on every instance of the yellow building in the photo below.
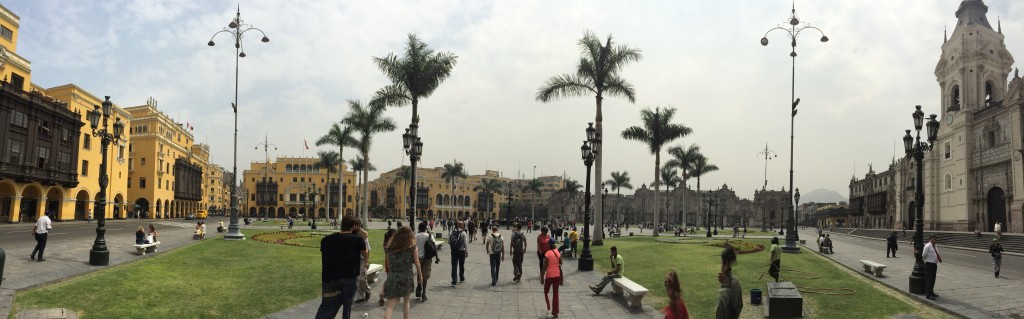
(50, 160)
(389, 195)
(218, 189)
(280, 188)
(165, 171)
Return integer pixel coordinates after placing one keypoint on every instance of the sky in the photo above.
(701, 57)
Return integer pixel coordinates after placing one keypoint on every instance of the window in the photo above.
(291, 197)
(19, 119)
(6, 33)
(120, 152)
(86, 141)
(991, 136)
(949, 182)
(18, 81)
(253, 197)
(129, 183)
(65, 135)
(64, 161)
(295, 179)
(142, 182)
(43, 157)
(303, 179)
(142, 161)
(988, 94)
(280, 197)
(16, 149)
(947, 148)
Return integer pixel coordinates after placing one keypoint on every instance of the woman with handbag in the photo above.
(552, 276)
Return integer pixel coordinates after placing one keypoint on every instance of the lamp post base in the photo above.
(597, 242)
(586, 263)
(791, 247)
(101, 257)
(234, 234)
(917, 282)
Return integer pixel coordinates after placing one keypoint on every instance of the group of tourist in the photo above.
(143, 237)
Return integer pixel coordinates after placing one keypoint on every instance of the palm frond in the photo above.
(391, 95)
(616, 86)
(565, 85)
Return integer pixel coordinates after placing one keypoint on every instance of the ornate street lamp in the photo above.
(236, 28)
(793, 32)
(414, 148)
(710, 199)
(586, 262)
(915, 148)
(99, 255)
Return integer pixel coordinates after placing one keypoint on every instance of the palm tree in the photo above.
(413, 76)
(330, 160)
(533, 186)
(619, 181)
(669, 178)
(367, 121)
(700, 167)
(571, 188)
(360, 164)
(657, 131)
(451, 173)
(489, 187)
(341, 136)
(597, 72)
(683, 159)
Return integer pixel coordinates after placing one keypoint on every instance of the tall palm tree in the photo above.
(533, 186)
(489, 187)
(367, 121)
(341, 136)
(330, 160)
(414, 76)
(619, 181)
(451, 173)
(359, 164)
(657, 131)
(683, 159)
(597, 72)
(700, 167)
(669, 178)
(572, 187)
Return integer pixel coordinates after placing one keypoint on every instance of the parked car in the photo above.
(190, 216)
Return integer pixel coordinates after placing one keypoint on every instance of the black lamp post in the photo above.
(508, 215)
(793, 31)
(666, 211)
(311, 193)
(414, 148)
(99, 255)
(916, 148)
(236, 28)
(797, 197)
(589, 151)
(711, 201)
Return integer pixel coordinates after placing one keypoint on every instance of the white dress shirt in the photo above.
(929, 254)
(43, 225)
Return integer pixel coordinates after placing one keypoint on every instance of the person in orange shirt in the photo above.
(551, 276)
(542, 248)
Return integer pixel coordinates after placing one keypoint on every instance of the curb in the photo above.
(950, 246)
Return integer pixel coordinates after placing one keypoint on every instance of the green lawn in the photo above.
(647, 262)
(209, 279)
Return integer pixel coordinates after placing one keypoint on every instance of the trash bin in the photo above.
(438, 235)
(755, 296)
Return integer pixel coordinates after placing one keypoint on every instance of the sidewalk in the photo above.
(66, 258)
(966, 291)
(476, 298)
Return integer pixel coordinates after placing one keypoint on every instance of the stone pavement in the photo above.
(67, 258)
(476, 298)
(966, 291)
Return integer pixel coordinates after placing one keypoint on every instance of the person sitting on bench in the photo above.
(140, 236)
(827, 245)
(616, 272)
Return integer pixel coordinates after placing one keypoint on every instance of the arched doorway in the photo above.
(280, 212)
(996, 208)
(252, 212)
(119, 206)
(7, 193)
(81, 204)
(54, 197)
(141, 208)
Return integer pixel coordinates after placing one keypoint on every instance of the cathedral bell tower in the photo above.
(974, 65)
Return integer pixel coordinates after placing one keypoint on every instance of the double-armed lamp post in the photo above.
(915, 148)
(591, 146)
(414, 148)
(99, 255)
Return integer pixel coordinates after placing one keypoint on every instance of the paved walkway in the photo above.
(967, 291)
(476, 298)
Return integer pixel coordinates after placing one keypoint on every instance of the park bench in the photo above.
(146, 248)
(615, 234)
(873, 267)
(439, 244)
(372, 272)
(634, 292)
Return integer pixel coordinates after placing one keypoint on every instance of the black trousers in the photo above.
(890, 248)
(40, 245)
(458, 266)
(929, 278)
(775, 268)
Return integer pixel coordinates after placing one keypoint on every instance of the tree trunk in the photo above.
(366, 189)
(341, 184)
(657, 170)
(598, 235)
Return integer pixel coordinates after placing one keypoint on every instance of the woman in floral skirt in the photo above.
(401, 258)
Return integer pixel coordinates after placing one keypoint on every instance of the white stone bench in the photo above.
(372, 272)
(146, 248)
(634, 292)
(439, 243)
(873, 267)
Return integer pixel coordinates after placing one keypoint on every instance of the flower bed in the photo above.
(741, 247)
(290, 238)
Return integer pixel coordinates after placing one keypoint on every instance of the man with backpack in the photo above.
(518, 248)
(495, 246)
(457, 242)
(427, 250)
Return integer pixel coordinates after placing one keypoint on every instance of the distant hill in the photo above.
(822, 195)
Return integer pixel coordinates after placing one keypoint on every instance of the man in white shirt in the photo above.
(43, 226)
(421, 241)
(931, 259)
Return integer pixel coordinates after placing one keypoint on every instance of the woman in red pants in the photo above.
(552, 276)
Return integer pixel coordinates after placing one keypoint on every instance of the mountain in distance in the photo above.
(822, 195)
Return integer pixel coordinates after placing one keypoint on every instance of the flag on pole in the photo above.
(305, 143)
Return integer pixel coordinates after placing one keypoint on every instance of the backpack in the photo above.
(457, 242)
(429, 249)
(497, 245)
(518, 241)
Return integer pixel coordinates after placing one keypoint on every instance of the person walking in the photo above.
(40, 232)
(402, 261)
(551, 277)
(996, 250)
(494, 244)
(542, 248)
(472, 230)
(616, 272)
(776, 259)
(574, 238)
(676, 308)
(730, 293)
(458, 245)
(518, 248)
(342, 256)
(427, 251)
(890, 245)
(999, 230)
(931, 257)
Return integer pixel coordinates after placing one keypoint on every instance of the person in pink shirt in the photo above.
(552, 276)
(542, 248)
